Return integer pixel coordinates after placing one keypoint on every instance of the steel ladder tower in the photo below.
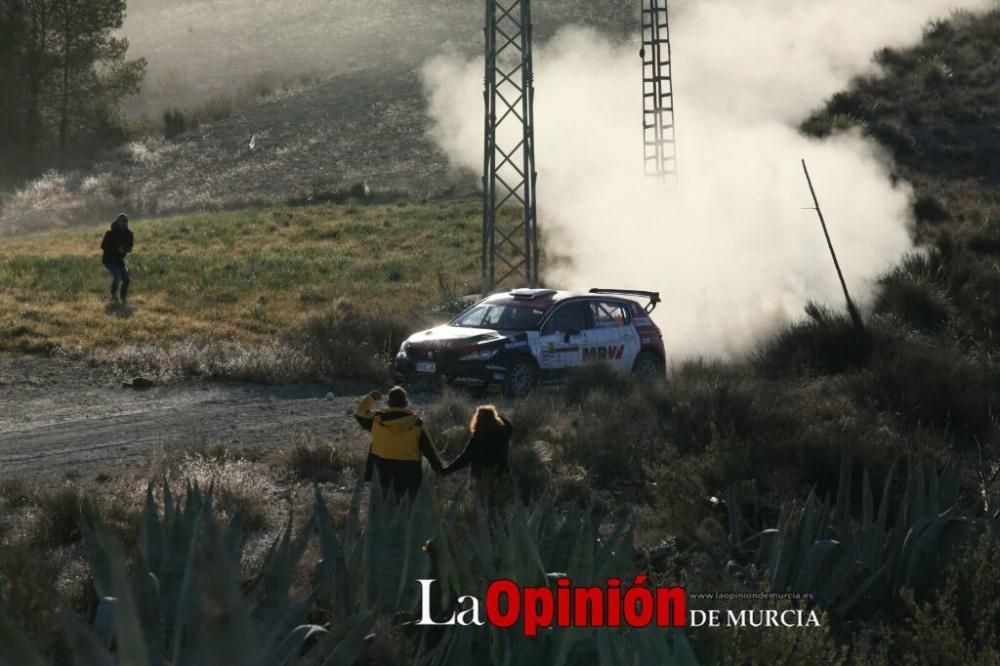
(658, 138)
(510, 246)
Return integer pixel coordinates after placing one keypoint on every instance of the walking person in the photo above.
(116, 244)
(488, 455)
(398, 442)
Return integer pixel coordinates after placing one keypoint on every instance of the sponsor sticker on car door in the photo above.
(611, 339)
(563, 337)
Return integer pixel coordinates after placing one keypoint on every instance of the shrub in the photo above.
(711, 402)
(960, 624)
(61, 513)
(319, 463)
(242, 485)
(448, 421)
(348, 343)
(825, 344)
(925, 386)
(914, 300)
(928, 208)
(174, 123)
(895, 136)
(583, 380)
(15, 493)
(27, 591)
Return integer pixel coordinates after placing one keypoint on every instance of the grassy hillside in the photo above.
(247, 275)
(936, 110)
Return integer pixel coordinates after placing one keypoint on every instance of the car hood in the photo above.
(456, 337)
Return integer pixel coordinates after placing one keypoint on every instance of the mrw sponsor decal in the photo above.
(604, 353)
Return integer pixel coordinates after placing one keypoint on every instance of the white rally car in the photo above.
(517, 339)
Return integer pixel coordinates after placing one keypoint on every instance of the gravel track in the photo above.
(60, 417)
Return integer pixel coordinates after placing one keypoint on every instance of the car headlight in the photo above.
(403, 347)
(481, 355)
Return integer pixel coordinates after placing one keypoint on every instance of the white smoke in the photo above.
(734, 250)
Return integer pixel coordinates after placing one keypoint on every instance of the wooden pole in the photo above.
(851, 310)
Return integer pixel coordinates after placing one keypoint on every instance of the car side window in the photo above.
(568, 317)
(608, 314)
(519, 318)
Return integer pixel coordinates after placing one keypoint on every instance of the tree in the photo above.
(64, 75)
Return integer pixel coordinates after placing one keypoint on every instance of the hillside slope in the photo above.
(367, 126)
(936, 109)
(365, 122)
(314, 145)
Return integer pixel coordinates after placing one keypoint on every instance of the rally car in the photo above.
(518, 339)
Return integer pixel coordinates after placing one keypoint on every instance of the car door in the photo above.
(611, 339)
(562, 337)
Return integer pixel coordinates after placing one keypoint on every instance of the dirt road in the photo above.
(60, 416)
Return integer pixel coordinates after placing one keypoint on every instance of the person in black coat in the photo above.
(488, 455)
(117, 242)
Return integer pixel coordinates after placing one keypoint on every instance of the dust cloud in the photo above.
(734, 249)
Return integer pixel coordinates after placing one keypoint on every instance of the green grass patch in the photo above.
(244, 275)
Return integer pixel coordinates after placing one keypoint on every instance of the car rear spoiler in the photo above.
(653, 296)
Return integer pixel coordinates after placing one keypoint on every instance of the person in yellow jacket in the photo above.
(398, 442)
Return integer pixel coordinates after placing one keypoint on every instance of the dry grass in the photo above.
(250, 277)
(319, 461)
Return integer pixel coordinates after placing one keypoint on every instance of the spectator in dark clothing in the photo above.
(116, 244)
(488, 455)
(398, 443)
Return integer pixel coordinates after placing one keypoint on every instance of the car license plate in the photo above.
(426, 366)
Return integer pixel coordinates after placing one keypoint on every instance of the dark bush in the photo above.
(987, 244)
(709, 403)
(583, 380)
(923, 386)
(825, 344)
(914, 300)
(27, 579)
(15, 493)
(614, 437)
(894, 136)
(360, 190)
(928, 208)
(61, 514)
(174, 123)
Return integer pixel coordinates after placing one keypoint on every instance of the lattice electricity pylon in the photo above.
(510, 247)
(658, 138)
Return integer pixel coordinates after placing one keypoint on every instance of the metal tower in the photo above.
(659, 147)
(510, 246)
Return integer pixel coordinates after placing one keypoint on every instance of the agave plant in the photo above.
(183, 601)
(537, 547)
(817, 549)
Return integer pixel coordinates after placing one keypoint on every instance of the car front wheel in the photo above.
(522, 377)
(647, 368)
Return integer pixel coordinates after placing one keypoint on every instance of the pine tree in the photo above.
(63, 76)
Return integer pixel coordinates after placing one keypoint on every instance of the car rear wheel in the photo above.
(647, 368)
(522, 377)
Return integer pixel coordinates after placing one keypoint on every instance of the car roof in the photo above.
(545, 298)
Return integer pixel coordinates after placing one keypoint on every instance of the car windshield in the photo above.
(500, 316)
